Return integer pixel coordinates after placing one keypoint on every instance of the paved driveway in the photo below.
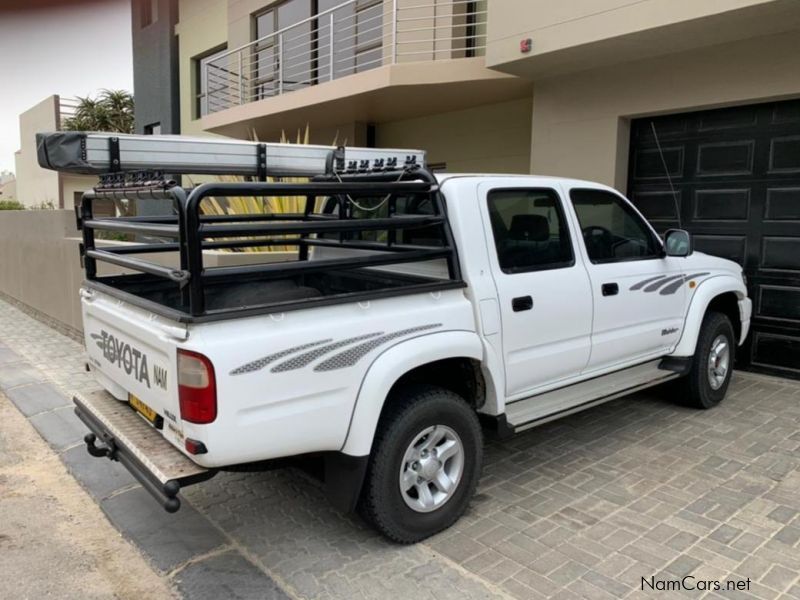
(585, 507)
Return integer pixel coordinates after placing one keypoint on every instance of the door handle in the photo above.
(522, 303)
(610, 289)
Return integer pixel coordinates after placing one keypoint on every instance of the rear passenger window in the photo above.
(530, 232)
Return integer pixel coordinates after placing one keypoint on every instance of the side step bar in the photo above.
(537, 410)
(125, 437)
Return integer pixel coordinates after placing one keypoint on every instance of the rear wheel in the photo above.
(712, 365)
(425, 464)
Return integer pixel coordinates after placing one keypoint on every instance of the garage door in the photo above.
(736, 174)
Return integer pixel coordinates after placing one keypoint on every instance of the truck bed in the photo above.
(373, 235)
(227, 296)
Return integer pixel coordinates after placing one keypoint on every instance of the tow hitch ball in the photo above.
(99, 451)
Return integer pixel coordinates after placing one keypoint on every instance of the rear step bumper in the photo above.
(125, 437)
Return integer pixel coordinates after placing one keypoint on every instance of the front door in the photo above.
(639, 294)
(542, 286)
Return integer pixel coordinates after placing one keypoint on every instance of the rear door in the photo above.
(543, 288)
(639, 294)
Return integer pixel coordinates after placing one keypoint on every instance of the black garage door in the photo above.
(736, 174)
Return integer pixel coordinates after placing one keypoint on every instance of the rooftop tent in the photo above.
(100, 153)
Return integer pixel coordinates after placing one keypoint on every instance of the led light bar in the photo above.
(101, 153)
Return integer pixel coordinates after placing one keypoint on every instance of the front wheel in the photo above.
(425, 464)
(712, 365)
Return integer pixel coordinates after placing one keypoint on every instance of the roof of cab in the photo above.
(444, 177)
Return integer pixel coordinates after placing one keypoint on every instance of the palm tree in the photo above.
(112, 110)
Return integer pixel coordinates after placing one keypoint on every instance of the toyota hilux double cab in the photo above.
(416, 311)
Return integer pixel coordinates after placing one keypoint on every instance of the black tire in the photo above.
(412, 410)
(697, 389)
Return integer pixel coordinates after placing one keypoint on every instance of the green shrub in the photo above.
(11, 205)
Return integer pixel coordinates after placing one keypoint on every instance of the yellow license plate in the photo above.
(142, 408)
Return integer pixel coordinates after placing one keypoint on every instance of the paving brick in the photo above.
(227, 575)
(8, 356)
(15, 374)
(747, 542)
(789, 535)
(60, 427)
(567, 573)
(613, 565)
(606, 584)
(725, 534)
(100, 477)
(573, 551)
(37, 397)
(548, 562)
(520, 591)
(779, 578)
(681, 541)
(168, 540)
(683, 565)
(501, 571)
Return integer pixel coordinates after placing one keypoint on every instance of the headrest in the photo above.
(533, 228)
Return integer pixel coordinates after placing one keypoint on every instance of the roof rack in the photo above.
(344, 252)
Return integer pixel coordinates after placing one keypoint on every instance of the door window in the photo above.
(530, 232)
(612, 231)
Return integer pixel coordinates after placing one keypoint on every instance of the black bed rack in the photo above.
(188, 232)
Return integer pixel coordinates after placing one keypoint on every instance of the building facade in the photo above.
(691, 107)
(42, 188)
(155, 68)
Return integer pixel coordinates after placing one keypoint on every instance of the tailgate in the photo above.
(132, 352)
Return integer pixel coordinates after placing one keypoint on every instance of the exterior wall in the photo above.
(240, 20)
(36, 186)
(581, 121)
(556, 26)
(202, 26)
(40, 265)
(491, 138)
(8, 190)
(75, 184)
(155, 67)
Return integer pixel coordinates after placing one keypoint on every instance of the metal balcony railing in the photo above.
(66, 109)
(354, 36)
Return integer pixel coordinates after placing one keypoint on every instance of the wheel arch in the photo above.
(721, 294)
(437, 358)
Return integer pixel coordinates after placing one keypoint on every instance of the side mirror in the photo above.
(678, 242)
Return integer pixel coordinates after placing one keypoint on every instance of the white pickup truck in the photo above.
(418, 312)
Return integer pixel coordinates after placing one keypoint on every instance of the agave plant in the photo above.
(248, 205)
(112, 110)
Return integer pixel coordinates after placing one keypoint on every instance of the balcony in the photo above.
(360, 60)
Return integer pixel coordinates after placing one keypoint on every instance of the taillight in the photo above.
(197, 388)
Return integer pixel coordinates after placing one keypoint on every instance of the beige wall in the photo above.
(9, 190)
(490, 138)
(40, 265)
(581, 121)
(202, 26)
(36, 186)
(557, 27)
